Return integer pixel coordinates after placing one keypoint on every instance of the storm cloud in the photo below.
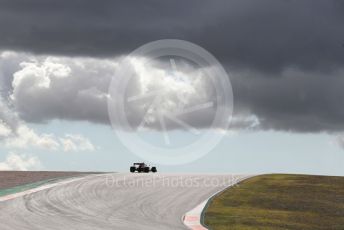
(285, 57)
(266, 34)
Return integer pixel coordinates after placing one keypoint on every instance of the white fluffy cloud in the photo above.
(72, 142)
(158, 90)
(5, 131)
(20, 162)
(8, 119)
(45, 88)
(15, 134)
(26, 137)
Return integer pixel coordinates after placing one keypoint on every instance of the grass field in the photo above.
(276, 202)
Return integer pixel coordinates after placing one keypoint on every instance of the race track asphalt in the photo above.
(118, 201)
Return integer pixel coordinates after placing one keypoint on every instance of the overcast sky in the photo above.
(285, 59)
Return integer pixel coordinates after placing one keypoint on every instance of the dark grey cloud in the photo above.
(265, 34)
(286, 56)
(294, 100)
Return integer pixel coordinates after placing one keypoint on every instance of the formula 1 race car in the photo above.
(142, 167)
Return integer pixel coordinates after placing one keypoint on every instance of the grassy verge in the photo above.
(24, 187)
(20, 188)
(276, 202)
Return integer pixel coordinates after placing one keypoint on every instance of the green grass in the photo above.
(276, 202)
(21, 188)
(25, 187)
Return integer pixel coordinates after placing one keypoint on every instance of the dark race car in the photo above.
(142, 167)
